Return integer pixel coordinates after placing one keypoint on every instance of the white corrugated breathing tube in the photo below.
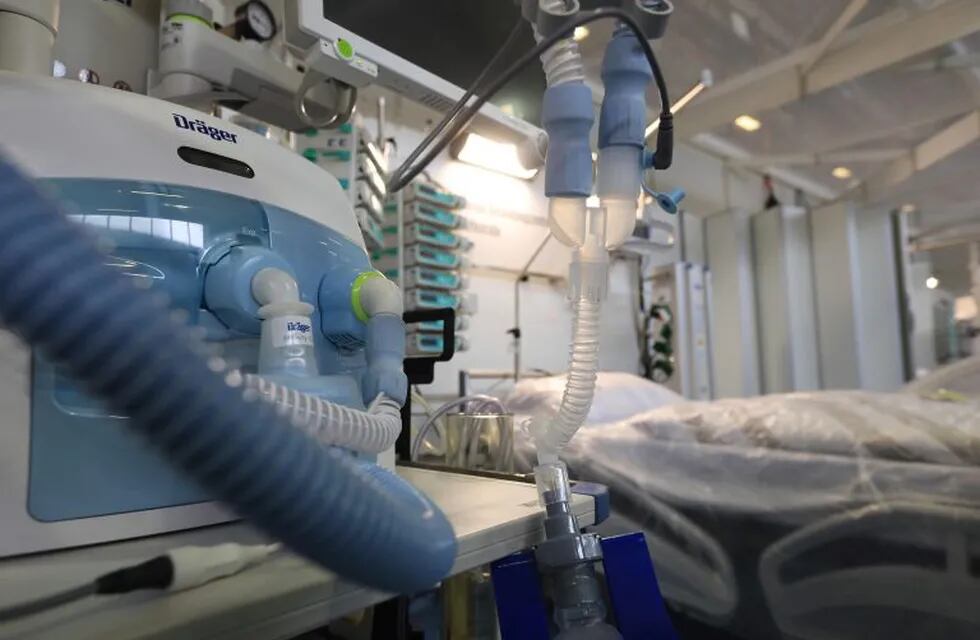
(562, 63)
(371, 431)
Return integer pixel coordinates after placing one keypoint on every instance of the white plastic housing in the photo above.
(381, 295)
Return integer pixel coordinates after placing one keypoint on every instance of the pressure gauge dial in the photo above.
(255, 21)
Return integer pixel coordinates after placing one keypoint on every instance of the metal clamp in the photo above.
(652, 15)
(550, 20)
(568, 551)
(313, 79)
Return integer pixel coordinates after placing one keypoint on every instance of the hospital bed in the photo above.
(961, 377)
(812, 515)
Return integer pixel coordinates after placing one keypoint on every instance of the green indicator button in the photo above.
(344, 49)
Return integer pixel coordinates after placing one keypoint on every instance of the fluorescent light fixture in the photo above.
(747, 123)
(932, 282)
(501, 157)
(580, 33)
(842, 173)
(707, 79)
(740, 25)
(966, 308)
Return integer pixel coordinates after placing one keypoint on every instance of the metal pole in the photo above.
(516, 331)
(382, 115)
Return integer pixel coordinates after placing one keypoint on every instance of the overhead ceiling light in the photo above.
(740, 25)
(907, 208)
(842, 173)
(580, 34)
(965, 308)
(932, 282)
(747, 123)
(501, 157)
(707, 79)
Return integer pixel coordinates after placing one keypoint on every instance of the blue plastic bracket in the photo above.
(600, 496)
(639, 607)
(521, 609)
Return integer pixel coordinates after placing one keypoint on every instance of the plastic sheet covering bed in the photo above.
(960, 378)
(847, 502)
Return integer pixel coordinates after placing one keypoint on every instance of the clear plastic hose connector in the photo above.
(552, 482)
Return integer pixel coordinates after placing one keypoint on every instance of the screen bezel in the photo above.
(407, 78)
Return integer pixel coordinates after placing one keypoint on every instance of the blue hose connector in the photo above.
(125, 346)
(567, 116)
(385, 351)
(626, 74)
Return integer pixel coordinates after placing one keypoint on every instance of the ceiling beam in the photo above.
(730, 152)
(955, 61)
(953, 138)
(950, 236)
(890, 39)
(939, 114)
(814, 159)
(843, 21)
(957, 213)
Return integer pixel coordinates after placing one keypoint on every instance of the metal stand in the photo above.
(637, 605)
(422, 370)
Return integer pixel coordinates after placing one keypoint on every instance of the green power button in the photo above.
(344, 49)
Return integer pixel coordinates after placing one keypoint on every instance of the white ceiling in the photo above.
(893, 108)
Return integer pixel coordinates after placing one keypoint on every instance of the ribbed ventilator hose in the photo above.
(125, 346)
(580, 387)
(562, 63)
(371, 431)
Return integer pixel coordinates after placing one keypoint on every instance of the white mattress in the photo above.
(789, 456)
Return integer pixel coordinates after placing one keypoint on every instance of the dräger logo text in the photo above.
(301, 327)
(183, 122)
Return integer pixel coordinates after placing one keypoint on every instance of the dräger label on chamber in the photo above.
(288, 331)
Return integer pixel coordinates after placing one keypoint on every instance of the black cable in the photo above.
(47, 602)
(664, 152)
(460, 104)
(156, 573)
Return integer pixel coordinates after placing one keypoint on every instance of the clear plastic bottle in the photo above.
(286, 342)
